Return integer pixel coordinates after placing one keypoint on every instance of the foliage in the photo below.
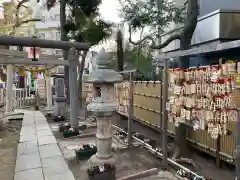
(17, 14)
(144, 13)
(143, 63)
(84, 23)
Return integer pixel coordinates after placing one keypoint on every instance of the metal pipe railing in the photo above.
(147, 146)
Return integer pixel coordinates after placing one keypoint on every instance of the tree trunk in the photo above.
(65, 53)
(185, 38)
(181, 149)
(120, 62)
(80, 81)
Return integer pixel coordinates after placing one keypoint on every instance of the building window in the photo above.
(58, 35)
(43, 19)
(41, 35)
(57, 17)
(58, 52)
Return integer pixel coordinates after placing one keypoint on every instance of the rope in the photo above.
(36, 69)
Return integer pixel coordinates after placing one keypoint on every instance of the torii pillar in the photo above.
(9, 91)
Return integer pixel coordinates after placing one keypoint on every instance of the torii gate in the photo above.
(19, 57)
(16, 57)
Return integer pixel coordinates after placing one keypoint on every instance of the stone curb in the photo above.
(140, 175)
(39, 156)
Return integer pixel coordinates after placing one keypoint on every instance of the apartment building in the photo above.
(49, 27)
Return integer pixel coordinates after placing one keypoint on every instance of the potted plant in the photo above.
(70, 132)
(106, 171)
(85, 151)
(67, 126)
(63, 127)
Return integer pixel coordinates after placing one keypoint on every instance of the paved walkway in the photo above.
(39, 156)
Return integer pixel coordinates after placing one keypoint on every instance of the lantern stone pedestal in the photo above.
(104, 107)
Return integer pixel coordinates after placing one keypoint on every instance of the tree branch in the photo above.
(25, 22)
(20, 4)
(167, 42)
(18, 22)
(139, 41)
(153, 45)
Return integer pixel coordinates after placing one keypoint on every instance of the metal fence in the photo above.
(22, 98)
(147, 109)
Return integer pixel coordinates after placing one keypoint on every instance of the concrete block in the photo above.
(28, 121)
(38, 114)
(28, 130)
(67, 175)
(28, 137)
(49, 150)
(42, 127)
(40, 121)
(27, 147)
(46, 140)
(54, 165)
(27, 161)
(45, 132)
(30, 174)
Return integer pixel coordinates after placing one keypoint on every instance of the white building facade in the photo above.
(49, 27)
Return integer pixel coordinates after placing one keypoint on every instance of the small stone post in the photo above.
(48, 92)
(103, 106)
(60, 100)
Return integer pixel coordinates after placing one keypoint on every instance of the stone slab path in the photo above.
(39, 156)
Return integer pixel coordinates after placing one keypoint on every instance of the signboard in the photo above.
(31, 53)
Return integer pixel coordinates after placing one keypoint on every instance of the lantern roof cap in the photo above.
(102, 73)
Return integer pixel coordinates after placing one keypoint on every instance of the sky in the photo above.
(108, 9)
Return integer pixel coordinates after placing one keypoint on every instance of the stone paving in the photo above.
(39, 156)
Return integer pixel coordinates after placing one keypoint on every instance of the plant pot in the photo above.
(67, 134)
(82, 127)
(85, 154)
(108, 175)
(62, 127)
(58, 118)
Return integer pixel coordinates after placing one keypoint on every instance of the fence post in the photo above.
(165, 114)
(130, 110)
(48, 91)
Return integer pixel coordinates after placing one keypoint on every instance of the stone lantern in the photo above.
(103, 107)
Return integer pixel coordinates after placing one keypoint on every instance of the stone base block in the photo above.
(104, 175)
(95, 161)
(60, 109)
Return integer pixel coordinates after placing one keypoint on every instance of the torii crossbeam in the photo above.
(20, 58)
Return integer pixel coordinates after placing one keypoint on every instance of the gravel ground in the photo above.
(206, 164)
(9, 138)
